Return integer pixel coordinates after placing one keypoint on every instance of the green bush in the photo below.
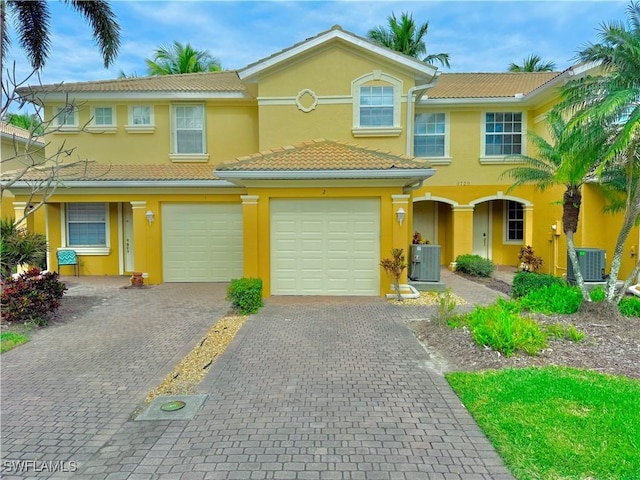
(527, 282)
(245, 295)
(474, 265)
(564, 332)
(597, 294)
(31, 297)
(554, 298)
(630, 306)
(505, 331)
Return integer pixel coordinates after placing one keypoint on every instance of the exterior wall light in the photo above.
(150, 216)
(400, 215)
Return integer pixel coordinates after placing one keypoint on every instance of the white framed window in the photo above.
(86, 228)
(188, 133)
(376, 105)
(141, 119)
(513, 222)
(502, 133)
(430, 135)
(103, 119)
(66, 117)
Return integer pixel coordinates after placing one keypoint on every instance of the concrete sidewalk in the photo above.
(311, 388)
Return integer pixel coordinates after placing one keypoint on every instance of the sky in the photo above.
(479, 36)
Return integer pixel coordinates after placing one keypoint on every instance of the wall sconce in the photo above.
(554, 227)
(400, 215)
(150, 216)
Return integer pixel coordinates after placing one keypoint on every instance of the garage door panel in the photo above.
(333, 253)
(202, 242)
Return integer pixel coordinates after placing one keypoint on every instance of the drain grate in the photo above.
(173, 407)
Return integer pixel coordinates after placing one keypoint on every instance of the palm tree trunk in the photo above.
(576, 267)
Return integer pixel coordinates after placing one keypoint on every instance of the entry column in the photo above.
(400, 222)
(250, 234)
(462, 230)
(140, 238)
(528, 224)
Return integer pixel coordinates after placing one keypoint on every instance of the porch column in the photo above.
(528, 224)
(250, 234)
(462, 230)
(18, 212)
(400, 206)
(140, 226)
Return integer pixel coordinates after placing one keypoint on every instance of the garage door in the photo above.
(201, 242)
(325, 247)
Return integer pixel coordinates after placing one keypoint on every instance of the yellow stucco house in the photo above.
(304, 169)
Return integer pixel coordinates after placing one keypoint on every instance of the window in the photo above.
(429, 135)
(503, 133)
(188, 129)
(103, 116)
(66, 116)
(376, 106)
(141, 115)
(86, 225)
(514, 220)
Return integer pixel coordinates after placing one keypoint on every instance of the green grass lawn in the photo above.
(8, 340)
(557, 423)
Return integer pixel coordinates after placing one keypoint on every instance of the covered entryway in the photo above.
(325, 246)
(201, 242)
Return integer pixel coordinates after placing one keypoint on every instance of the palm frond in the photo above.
(32, 27)
(106, 30)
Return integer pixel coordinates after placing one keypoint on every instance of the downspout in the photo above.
(410, 93)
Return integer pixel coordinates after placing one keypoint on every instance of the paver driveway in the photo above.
(311, 388)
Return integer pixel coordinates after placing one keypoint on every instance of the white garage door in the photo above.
(201, 242)
(325, 247)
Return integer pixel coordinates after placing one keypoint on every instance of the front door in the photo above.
(482, 230)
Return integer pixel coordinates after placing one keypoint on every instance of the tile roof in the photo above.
(488, 85)
(226, 81)
(9, 130)
(321, 154)
(113, 173)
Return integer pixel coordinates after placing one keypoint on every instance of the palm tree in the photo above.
(179, 58)
(406, 37)
(19, 246)
(533, 63)
(570, 160)
(32, 26)
(613, 101)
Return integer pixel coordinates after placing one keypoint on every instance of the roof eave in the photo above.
(131, 184)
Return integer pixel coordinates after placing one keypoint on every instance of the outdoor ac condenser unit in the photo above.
(424, 264)
(592, 264)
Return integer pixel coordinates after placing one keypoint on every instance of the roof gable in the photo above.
(421, 70)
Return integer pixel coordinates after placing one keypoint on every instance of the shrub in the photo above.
(245, 295)
(554, 298)
(446, 308)
(505, 331)
(630, 306)
(31, 297)
(564, 332)
(597, 294)
(19, 246)
(394, 267)
(527, 282)
(529, 260)
(474, 265)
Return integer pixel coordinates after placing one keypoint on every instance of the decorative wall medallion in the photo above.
(306, 100)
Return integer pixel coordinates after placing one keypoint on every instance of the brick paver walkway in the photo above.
(311, 388)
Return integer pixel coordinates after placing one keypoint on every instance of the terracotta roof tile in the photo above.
(17, 132)
(113, 173)
(321, 154)
(226, 81)
(488, 85)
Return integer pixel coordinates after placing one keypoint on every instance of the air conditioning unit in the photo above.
(592, 264)
(424, 264)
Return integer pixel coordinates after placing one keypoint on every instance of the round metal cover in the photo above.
(172, 406)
